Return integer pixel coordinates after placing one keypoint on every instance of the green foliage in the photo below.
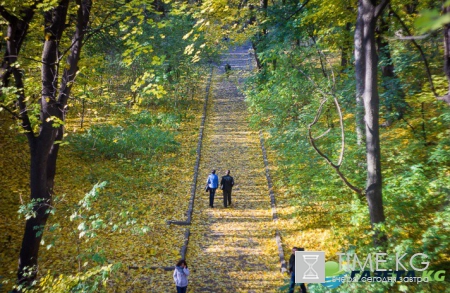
(92, 280)
(162, 120)
(89, 223)
(29, 210)
(432, 19)
(441, 153)
(415, 149)
(116, 141)
(436, 239)
(93, 275)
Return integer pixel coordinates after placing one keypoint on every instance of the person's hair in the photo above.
(180, 262)
(213, 171)
(295, 247)
(301, 249)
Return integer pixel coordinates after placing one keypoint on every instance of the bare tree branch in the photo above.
(422, 54)
(341, 122)
(379, 9)
(351, 186)
(336, 103)
(298, 10)
(335, 166)
(323, 134)
(398, 36)
(9, 111)
(27, 58)
(311, 139)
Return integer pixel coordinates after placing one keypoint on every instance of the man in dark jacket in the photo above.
(292, 271)
(226, 184)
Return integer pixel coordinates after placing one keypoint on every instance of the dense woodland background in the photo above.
(96, 165)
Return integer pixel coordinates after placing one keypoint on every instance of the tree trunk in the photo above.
(446, 10)
(370, 12)
(258, 62)
(43, 150)
(359, 75)
(345, 47)
(390, 82)
(41, 194)
(43, 165)
(257, 44)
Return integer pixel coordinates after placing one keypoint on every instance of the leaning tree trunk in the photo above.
(370, 12)
(43, 150)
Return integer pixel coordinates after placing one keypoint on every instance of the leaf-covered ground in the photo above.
(233, 249)
(142, 192)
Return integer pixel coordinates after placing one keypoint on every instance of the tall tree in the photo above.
(55, 92)
(366, 77)
(359, 72)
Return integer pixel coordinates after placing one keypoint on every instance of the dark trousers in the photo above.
(181, 289)
(226, 197)
(212, 192)
(292, 285)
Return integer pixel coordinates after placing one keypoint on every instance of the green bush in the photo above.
(162, 120)
(109, 141)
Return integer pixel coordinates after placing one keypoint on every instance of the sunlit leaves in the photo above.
(92, 280)
(432, 19)
(189, 49)
(55, 121)
(47, 5)
(188, 35)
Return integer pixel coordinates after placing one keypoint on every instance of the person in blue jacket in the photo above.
(180, 276)
(212, 183)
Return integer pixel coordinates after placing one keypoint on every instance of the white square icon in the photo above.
(309, 267)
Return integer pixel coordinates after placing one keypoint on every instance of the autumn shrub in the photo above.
(109, 141)
(162, 120)
(93, 280)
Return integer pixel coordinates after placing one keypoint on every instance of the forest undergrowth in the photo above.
(140, 161)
